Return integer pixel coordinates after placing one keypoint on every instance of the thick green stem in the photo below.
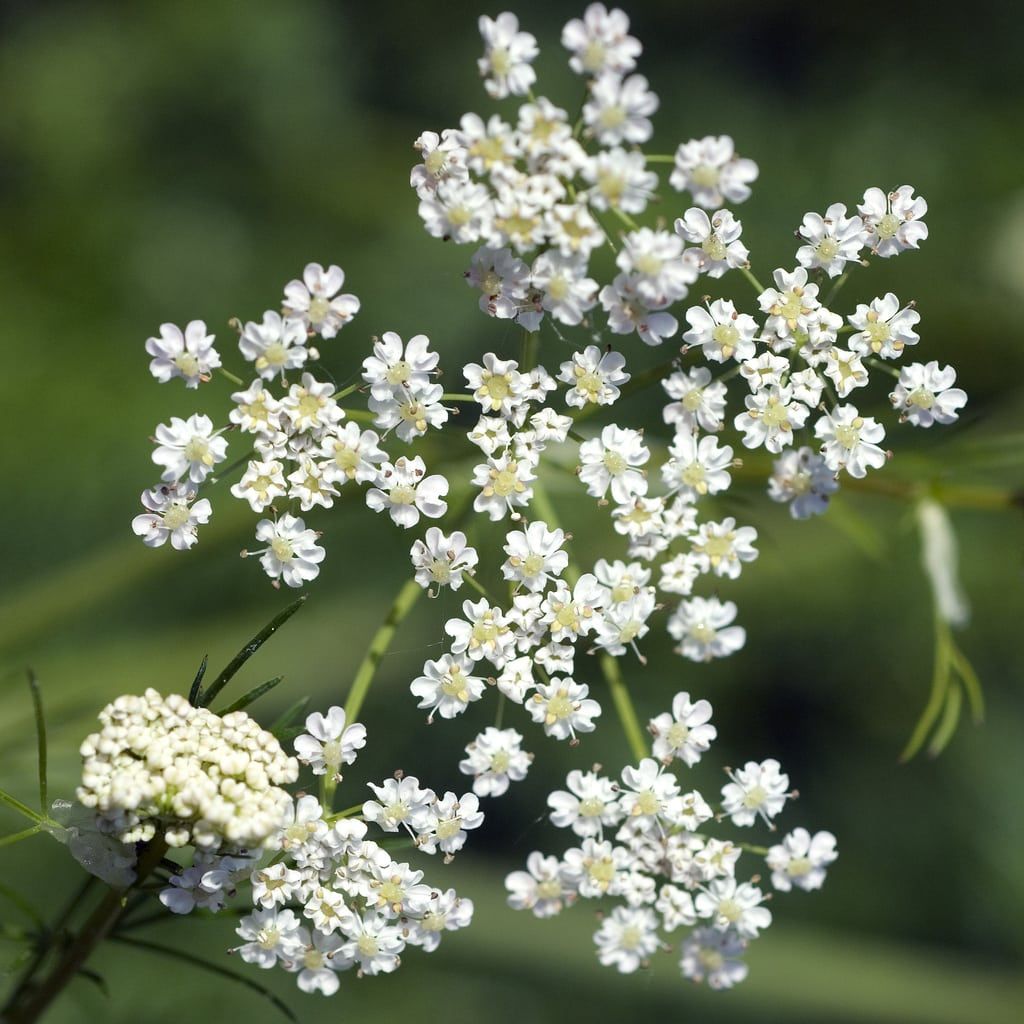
(28, 1002)
(228, 375)
(16, 805)
(749, 275)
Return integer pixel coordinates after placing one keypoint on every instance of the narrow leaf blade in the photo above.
(195, 694)
(252, 696)
(37, 705)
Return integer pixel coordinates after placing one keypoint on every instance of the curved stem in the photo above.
(28, 1003)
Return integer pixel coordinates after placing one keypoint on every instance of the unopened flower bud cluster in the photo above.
(649, 844)
(161, 767)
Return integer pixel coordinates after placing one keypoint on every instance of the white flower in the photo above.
(457, 210)
(717, 238)
(372, 943)
(595, 376)
(563, 708)
(571, 227)
(397, 366)
(315, 300)
(704, 630)
(516, 678)
(188, 354)
(270, 935)
(504, 486)
(329, 742)
(884, 328)
(256, 410)
(801, 859)
(406, 492)
(679, 574)
(712, 172)
(626, 938)
(699, 401)
(311, 406)
(845, 370)
(540, 889)
(275, 345)
(309, 485)
(697, 466)
(619, 110)
(659, 274)
(444, 158)
(497, 385)
(613, 462)
(485, 632)
(685, 733)
(676, 907)
(790, 304)
(714, 956)
(850, 441)
(833, 240)
(627, 312)
(495, 758)
(894, 220)
(722, 548)
(188, 448)
(446, 687)
(173, 515)
(651, 797)
(442, 561)
(535, 556)
(619, 180)
(566, 292)
(400, 802)
(349, 453)
(447, 912)
(755, 789)
(260, 484)
(292, 553)
(924, 394)
(733, 906)
(412, 412)
(590, 805)
(572, 613)
(505, 65)
(802, 477)
(770, 419)
(625, 622)
(501, 279)
(721, 332)
(447, 822)
(600, 41)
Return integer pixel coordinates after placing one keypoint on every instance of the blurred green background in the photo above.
(170, 161)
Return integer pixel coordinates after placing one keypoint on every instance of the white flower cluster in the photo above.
(330, 899)
(160, 766)
(642, 842)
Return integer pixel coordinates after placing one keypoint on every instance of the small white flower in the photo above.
(292, 553)
(833, 240)
(894, 220)
(721, 332)
(703, 627)
(372, 943)
(400, 803)
(497, 385)
(849, 441)
(444, 158)
(612, 462)
(619, 180)
(540, 889)
(188, 354)
(711, 171)
(329, 742)
(659, 274)
(395, 365)
(442, 561)
(924, 394)
(501, 279)
(563, 708)
(485, 632)
(495, 758)
(458, 210)
(717, 240)
(600, 41)
(619, 110)
(566, 292)
(714, 956)
(801, 859)
(446, 686)
(884, 328)
(589, 806)
(260, 484)
(802, 478)
(595, 375)
(733, 906)
(504, 486)
(626, 938)
(699, 401)
(771, 417)
(173, 514)
(275, 345)
(406, 492)
(627, 312)
(757, 789)
(447, 823)
(535, 556)
(722, 548)
(315, 300)
(790, 304)
(270, 935)
(505, 65)
(256, 410)
(696, 466)
(310, 406)
(685, 733)
(349, 453)
(188, 448)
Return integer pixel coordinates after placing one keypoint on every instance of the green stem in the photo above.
(37, 707)
(879, 364)
(749, 275)
(345, 392)
(228, 375)
(457, 396)
(27, 1003)
(531, 340)
(16, 805)
(625, 218)
(660, 158)
(836, 288)
(18, 836)
(624, 708)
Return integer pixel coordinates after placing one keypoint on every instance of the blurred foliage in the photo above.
(174, 161)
